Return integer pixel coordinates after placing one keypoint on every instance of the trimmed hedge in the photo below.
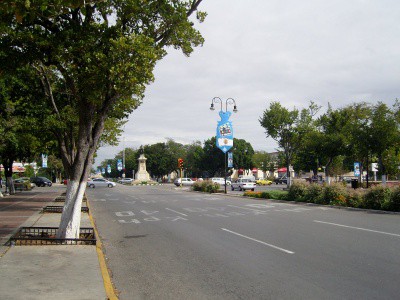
(273, 194)
(206, 186)
(377, 197)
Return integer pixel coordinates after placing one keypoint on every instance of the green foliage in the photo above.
(314, 194)
(297, 191)
(376, 196)
(392, 204)
(355, 198)
(335, 194)
(94, 60)
(206, 186)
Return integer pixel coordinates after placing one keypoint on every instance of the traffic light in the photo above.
(180, 163)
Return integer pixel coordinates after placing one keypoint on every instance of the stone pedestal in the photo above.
(142, 174)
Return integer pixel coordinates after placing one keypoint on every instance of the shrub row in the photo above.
(206, 186)
(274, 194)
(377, 197)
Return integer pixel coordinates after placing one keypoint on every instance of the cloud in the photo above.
(262, 51)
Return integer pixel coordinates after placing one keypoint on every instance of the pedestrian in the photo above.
(1, 182)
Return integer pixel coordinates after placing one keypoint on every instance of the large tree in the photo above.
(94, 59)
(280, 124)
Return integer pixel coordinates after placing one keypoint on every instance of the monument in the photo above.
(142, 174)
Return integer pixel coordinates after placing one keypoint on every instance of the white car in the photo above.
(98, 182)
(243, 184)
(125, 181)
(185, 181)
(221, 181)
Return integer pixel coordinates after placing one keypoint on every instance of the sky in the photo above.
(257, 52)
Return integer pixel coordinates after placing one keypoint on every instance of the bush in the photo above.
(393, 204)
(273, 194)
(376, 196)
(314, 193)
(297, 191)
(355, 198)
(206, 186)
(335, 194)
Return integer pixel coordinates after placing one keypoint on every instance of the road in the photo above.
(164, 243)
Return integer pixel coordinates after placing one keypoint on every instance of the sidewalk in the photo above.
(45, 272)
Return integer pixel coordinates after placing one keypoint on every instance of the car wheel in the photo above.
(50, 184)
(252, 190)
(110, 185)
(91, 186)
(240, 189)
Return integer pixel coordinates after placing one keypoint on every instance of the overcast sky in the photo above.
(256, 52)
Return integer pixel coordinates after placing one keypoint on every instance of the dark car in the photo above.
(41, 181)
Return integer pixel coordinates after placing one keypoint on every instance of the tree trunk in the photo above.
(8, 173)
(71, 215)
(327, 177)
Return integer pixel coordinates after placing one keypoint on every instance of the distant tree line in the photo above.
(334, 140)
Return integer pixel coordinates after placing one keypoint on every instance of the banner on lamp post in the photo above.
(356, 169)
(119, 165)
(44, 160)
(108, 169)
(224, 132)
(230, 160)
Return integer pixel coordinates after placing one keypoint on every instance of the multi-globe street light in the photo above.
(225, 128)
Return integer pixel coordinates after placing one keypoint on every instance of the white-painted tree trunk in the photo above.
(71, 215)
(328, 180)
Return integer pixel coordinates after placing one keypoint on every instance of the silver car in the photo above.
(98, 182)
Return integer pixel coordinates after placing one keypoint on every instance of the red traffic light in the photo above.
(180, 163)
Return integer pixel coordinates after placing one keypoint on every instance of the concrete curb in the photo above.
(109, 287)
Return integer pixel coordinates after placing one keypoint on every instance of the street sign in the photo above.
(224, 132)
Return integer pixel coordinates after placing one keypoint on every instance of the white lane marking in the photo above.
(252, 209)
(258, 241)
(177, 212)
(358, 228)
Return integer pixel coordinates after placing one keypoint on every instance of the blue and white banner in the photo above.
(224, 132)
(108, 169)
(119, 164)
(230, 160)
(356, 169)
(103, 171)
(44, 160)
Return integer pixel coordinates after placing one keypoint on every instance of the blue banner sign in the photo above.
(103, 171)
(230, 160)
(44, 160)
(356, 169)
(224, 132)
(119, 164)
(108, 169)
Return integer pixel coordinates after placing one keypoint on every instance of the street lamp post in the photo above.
(224, 117)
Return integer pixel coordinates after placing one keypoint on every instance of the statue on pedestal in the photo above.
(142, 174)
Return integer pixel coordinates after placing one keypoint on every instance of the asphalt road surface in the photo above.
(164, 243)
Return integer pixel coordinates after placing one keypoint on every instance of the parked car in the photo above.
(125, 181)
(41, 181)
(23, 184)
(281, 180)
(263, 182)
(185, 181)
(221, 181)
(243, 184)
(99, 182)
